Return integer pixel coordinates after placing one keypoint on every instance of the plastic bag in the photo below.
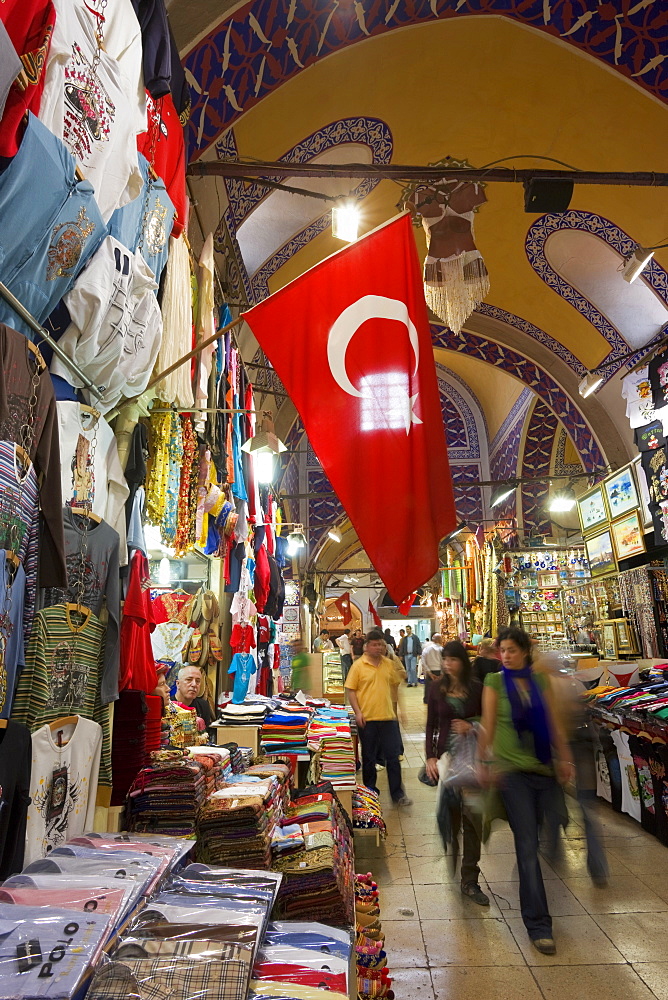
(462, 770)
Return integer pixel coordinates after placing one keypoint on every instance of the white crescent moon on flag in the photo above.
(348, 323)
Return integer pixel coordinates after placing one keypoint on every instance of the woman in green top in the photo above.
(529, 755)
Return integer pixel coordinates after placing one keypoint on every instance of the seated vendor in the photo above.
(188, 684)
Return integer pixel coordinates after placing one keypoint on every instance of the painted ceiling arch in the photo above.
(251, 52)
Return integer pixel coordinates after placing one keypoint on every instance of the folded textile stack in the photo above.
(330, 740)
(284, 730)
(155, 707)
(318, 879)
(237, 763)
(128, 745)
(367, 813)
(166, 796)
(236, 824)
(216, 761)
(242, 715)
(247, 757)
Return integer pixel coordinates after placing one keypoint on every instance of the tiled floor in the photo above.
(611, 943)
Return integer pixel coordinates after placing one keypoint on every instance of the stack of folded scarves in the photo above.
(330, 740)
(373, 978)
(285, 730)
(367, 812)
(236, 824)
(216, 763)
(237, 762)
(318, 881)
(166, 796)
(245, 714)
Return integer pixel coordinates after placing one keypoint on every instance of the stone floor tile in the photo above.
(655, 974)
(498, 983)
(640, 937)
(404, 944)
(591, 982)
(440, 902)
(560, 900)
(624, 894)
(470, 943)
(431, 870)
(393, 901)
(413, 983)
(578, 940)
(503, 868)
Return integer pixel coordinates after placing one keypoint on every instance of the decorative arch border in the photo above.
(536, 461)
(254, 50)
(597, 225)
(534, 377)
(244, 197)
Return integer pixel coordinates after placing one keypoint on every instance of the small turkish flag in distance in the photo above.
(350, 340)
(343, 604)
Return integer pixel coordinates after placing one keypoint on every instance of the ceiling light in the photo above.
(462, 526)
(263, 446)
(345, 221)
(589, 384)
(636, 263)
(334, 535)
(164, 572)
(296, 540)
(350, 579)
(563, 501)
(502, 492)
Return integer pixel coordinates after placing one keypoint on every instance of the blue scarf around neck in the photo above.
(529, 717)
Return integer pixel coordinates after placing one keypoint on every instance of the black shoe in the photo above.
(474, 892)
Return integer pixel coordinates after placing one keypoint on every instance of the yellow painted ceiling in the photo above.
(483, 88)
(495, 395)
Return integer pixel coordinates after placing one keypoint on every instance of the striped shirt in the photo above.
(19, 521)
(62, 676)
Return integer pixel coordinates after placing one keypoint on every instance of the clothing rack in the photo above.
(30, 320)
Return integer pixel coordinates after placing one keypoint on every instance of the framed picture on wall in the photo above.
(621, 492)
(548, 579)
(627, 536)
(609, 636)
(600, 554)
(591, 508)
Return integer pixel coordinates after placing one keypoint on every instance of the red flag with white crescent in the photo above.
(374, 614)
(350, 340)
(343, 604)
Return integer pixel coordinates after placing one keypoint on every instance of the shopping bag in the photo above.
(462, 769)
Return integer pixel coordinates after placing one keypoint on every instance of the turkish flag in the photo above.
(350, 341)
(374, 614)
(343, 604)
(405, 606)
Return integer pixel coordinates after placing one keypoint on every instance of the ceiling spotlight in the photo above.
(264, 446)
(334, 535)
(589, 384)
(345, 221)
(563, 501)
(502, 492)
(636, 263)
(296, 540)
(462, 526)
(350, 579)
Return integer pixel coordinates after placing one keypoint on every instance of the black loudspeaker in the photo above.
(547, 195)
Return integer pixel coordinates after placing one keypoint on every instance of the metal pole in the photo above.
(30, 320)
(507, 175)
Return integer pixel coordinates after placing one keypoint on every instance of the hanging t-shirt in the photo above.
(65, 769)
(100, 585)
(15, 758)
(654, 464)
(137, 663)
(29, 26)
(12, 595)
(650, 436)
(242, 667)
(658, 379)
(630, 790)
(146, 222)
(19, 523)
(637, 392)
(116, 327)
(163, 145)
(64, 662)
(88, 103)
(98, 477)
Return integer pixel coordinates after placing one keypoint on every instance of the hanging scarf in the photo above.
(529, 717)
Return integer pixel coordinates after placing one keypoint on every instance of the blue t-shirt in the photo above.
(243, 667)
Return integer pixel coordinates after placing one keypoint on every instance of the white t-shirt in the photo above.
(343, 642)
(63, 786)
(94, 111)
(104, 477)
(637, 392)
(630, 790)
(116, 326)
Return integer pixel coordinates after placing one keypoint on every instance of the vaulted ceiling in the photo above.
(387, 81)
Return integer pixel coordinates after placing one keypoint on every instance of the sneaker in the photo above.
(474, 892)
(403, 800)
(545, 946)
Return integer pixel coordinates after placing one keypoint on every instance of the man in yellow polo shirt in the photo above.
(372, 684)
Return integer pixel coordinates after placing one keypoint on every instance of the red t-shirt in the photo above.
(137, 664)
(30, 25)
(167, 154)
